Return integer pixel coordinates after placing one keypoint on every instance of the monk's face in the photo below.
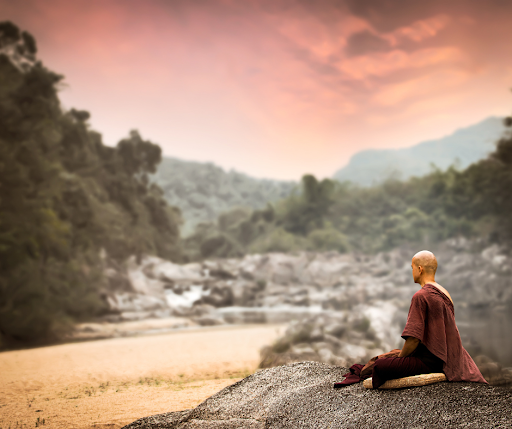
(416, 272)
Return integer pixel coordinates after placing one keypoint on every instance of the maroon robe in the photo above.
(431, 320)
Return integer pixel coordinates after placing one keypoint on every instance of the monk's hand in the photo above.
(410, 345)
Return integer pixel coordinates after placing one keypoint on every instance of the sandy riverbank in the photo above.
(109, 383)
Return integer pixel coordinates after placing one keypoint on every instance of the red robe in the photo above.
(431, 320)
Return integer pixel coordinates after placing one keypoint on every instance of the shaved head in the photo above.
(427, 260)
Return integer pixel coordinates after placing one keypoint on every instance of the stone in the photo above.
(132, 302)
(219, 296)
(302, 348)
(335, 329)
(354, 353)
(491, 252)
(301, 395)
(327, 290)
(316, 335)
(168, 270)
(208, 321)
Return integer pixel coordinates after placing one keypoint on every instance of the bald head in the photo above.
(427, 260)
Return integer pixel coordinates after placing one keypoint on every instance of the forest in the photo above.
(67, 200)
(329, 215)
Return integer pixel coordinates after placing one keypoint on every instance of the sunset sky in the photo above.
(276, 88)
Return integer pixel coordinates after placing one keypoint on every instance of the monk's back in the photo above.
(442, 289)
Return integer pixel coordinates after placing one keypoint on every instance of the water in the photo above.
(186, 298)
(487, 332)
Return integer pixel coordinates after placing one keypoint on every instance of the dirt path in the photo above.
(109, 383)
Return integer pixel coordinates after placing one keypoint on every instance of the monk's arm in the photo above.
(410, 345)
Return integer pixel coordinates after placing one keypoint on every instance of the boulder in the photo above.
(325, 273)
(132, 302)
(301, 395)
(208, 321)
(493, 372)
(219, 296)
(253, 267)
(165, 270)
(118, 281)
(282, 267)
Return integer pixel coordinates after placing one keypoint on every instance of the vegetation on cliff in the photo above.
(328, 215)
(203, 191)
(64, 195)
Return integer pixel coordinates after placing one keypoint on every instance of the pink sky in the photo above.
(276, 88)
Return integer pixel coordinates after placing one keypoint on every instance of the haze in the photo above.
(276, 88)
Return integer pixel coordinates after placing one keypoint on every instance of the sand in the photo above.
(109, 383)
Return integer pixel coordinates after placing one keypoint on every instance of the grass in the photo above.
(40, 422)
(179, 383)
(141, 385)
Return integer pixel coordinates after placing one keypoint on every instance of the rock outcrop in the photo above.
(301, 395)
(344, 341)
(341, 307)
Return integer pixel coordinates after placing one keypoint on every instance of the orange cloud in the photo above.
(384, 63)
(426, 87)
(419, 30)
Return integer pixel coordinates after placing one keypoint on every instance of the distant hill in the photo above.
(463, 147)
(203, 190)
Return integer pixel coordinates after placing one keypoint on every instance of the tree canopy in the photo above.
(328, 215)
(64, 196)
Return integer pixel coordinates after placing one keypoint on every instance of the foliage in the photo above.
(203, 191)
(328, 215)
(64, 195)
(308, 212)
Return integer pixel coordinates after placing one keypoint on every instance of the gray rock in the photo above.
(301, 395)
(208, 321)
(336, 329)
(316, 335)
(220, 296)
(493, 372)
(360, 303)
(132, 303)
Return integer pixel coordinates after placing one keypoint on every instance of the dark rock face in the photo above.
(301, 395)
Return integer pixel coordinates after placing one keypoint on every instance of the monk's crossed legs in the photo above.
(396, 367)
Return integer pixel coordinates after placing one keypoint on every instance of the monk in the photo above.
(432, 340)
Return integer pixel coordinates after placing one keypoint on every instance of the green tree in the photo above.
(64, 195)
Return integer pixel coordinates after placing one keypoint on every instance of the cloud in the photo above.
(420, 30)
(365, 42)
(426, 87)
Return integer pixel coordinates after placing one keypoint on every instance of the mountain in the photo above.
(462, 148)
(202, 191)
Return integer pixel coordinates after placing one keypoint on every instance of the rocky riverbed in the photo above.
(341, 308)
